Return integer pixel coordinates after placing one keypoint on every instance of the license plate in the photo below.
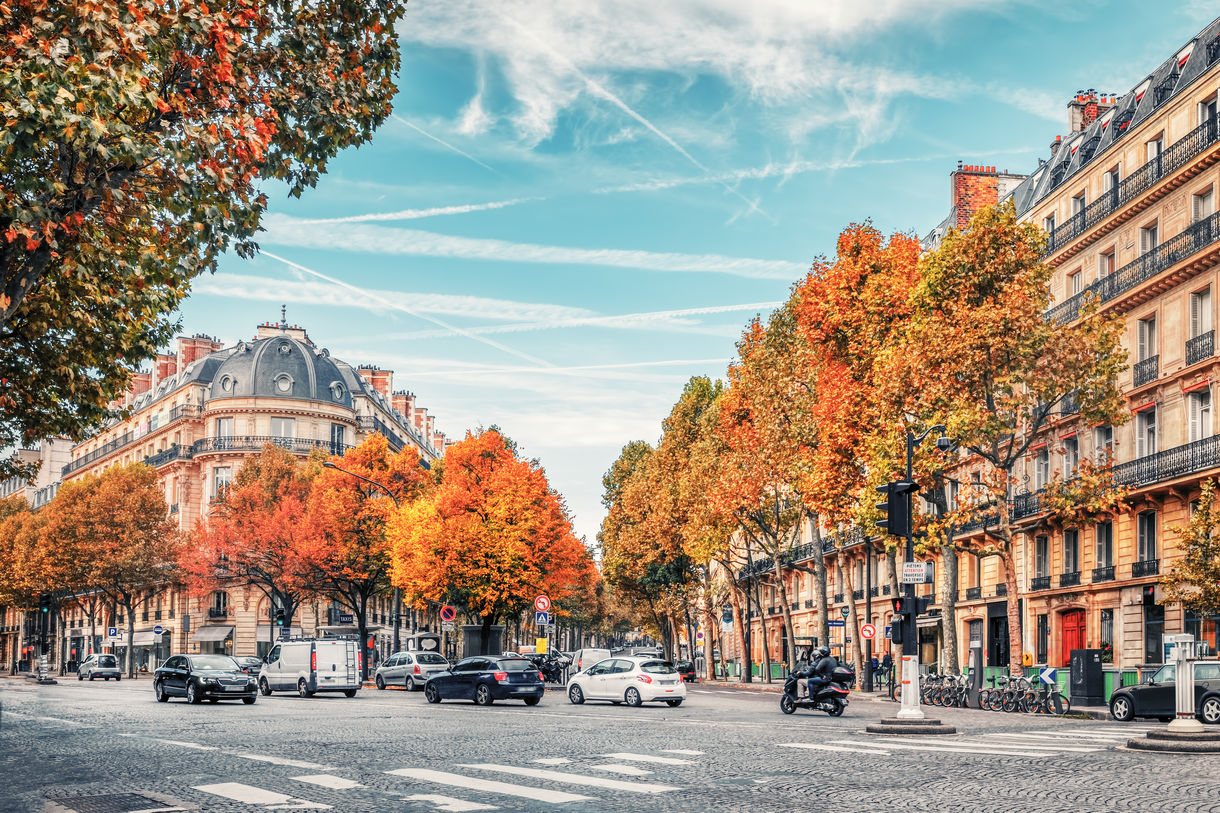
(668, 682)
(235, 688)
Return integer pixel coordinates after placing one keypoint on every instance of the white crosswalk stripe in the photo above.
(248, 794)
(490, 786)
(947, 747)
(574, 778)
(814, 746)
(448, 803)
(329, 781)
(626, 770)
(1030, 744)
(648, 758)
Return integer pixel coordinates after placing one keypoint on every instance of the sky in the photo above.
(578, 205)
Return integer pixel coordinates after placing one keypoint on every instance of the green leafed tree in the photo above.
(1194, 580)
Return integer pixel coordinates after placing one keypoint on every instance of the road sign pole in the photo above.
(910, 650)
(868, 618)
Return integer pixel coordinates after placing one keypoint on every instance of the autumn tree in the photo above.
(354, 560)
(137, 140)
(982, 358)
(1194, 579)
(492, 536)
(21, 579)
(259, 534)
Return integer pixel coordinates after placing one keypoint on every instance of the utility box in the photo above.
(1087, 686)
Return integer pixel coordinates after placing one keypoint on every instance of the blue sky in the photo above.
(577, 205)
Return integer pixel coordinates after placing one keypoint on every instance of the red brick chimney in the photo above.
(140, 382)
(380, 379)
(1086, 108)
(194, 348)
(974, 187)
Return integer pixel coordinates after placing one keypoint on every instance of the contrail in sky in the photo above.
(446, 144)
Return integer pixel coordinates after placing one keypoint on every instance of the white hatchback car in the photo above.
(630, 680)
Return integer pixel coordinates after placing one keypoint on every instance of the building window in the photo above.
(1042, 556)
(1147, 535)
(1202, 205)
(1207, 109)
(1199, 404)
(1145, 433)
(283, 427)
(224, 427)
(337, 437)
(1075, 282)
(1104, 532)
(1147, 338)
(1148, 238)
(1071, 551)
(1044, 637)
(1048, 223)
(1103, 443)
(1109, 181)
(1105, 263)
(1071, 455)
(1152, 149)
(978, 571)
(1201, 312)
(222, 476)
(1106, 635)
(220, 604)
(1042, 468)
(1078, 203)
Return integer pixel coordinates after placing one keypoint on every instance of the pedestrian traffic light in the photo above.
(896, 507)
(899, 621)
(44, 602)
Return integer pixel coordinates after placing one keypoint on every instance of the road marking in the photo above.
(648, 758)
(1037, 744)
(327, 780)
(573, 778)
(681, 751)
(194, 745)
(1086, 737)
(291, 763)
(919, 745)
(553, 761)
(448, 803)
(52, 719)
(819, 747)
(489, 785)
(627, 770)
(257, 796)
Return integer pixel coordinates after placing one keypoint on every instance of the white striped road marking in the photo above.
(194, 745)
(626, 770)
(1087, 737)
(648, 758)
(681, 751)
(257, 796)
(573, 778)
(448, 803)
(327, 780)
(553, 761)
(1049, 737)
(52, 719)
(291, 763)
(491, 786)
(1038, 744)
(941, 745)
(819, 747)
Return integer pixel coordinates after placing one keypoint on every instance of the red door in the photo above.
(1073, 634)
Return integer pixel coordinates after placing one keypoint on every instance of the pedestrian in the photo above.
(887, 664)
(873, 666)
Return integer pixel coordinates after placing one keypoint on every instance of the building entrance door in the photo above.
(1073, 634)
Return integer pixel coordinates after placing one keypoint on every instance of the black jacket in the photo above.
(825, 667)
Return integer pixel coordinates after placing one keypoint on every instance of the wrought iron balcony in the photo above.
(796, 605)
(1174, 250)
(1171, 463)
(218, 612)
(175, 452)
(1040, 583)
(1147, 567)
(1145, 371)
(973, 593)
(1137, 183)
(857, 595)
(838, 598)
(872, 591)
(1069, 405)
(1201, 347)
(1027, 505)
(128, 438)
(254, 443)
(1103, 574)
(1069, 579)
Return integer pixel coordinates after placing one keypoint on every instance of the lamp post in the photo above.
(395, 615)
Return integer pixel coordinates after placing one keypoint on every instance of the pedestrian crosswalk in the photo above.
(1028, 744)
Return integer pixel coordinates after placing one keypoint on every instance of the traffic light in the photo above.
(896, 507)
(44, 602)
(899, 621)
(279, 617)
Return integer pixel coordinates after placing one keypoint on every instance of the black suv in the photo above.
(200, 677)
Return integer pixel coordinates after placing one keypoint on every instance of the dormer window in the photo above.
(226, 383)
(283, 382)
(337, 390)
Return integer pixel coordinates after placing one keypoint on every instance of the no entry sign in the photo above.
(542, 603)
(868, 631)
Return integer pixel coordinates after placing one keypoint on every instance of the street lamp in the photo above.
(397, 592)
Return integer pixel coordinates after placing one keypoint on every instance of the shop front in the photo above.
(213, 640)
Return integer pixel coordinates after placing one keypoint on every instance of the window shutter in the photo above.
(1194, 416)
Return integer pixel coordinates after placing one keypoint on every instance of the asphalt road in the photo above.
(94, 748)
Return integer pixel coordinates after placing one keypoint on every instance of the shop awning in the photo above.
(933, 621)
(144, 638)
(204, 634)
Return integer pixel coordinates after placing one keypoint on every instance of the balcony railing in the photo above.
(1069, 579)
(1040, 583)
(796, 605)
(164, 456)
(127, 438)
(857, 595)
(885, 590)
(808, 604)
(1103, 574)
(1165, 256)
(1145, 371)
(1148, 567)
(1201, 347)
(838, 598)
(872, 591)
(1171, 463)
(218, 612)
(1137, 183)
(772, 610)
(254, 443)
(973, 593)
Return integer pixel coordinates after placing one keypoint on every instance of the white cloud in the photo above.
(442, 142)
(288, 231)
(416, 214)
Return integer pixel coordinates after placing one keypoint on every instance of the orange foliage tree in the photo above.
(491, 537)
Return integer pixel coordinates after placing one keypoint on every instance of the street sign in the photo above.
(112, 632)
(835, 622)
(867, 632)
(542, 618)
(347, 618)
(447, 626)
(914, 572)
(699, 636)
(542, 603)
(1047, 676)
(540, 645)
(844, 612)
(887, 631)
(158, 630)
(285, 633)
(448, 613)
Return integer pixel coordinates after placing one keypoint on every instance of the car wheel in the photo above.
(349, 692)
(264, 687)
(79, 676)
(532, 701)
(1121, 709)
(192, 694)
(576, 695)
(106, 679)
(1209, 710)
(159, 691)
(431, 694)
(482, 695)
(249, 701)
(380, 682)
(410, 684)
(673, 704)
(786, 703)
(91, 676)
(117, 678)
(303, 688)
(632, 696)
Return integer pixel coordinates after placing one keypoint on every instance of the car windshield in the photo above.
(658, 667)
(430, 657)
(213, 662)
(684, 665)
(515, 664)
(106, 660)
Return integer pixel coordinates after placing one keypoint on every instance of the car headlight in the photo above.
(211, 682)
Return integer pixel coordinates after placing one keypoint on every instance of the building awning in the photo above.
(932, 621)
(204, 634)
(265, 633)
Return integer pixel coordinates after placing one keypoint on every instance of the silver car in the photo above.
(410, 670)
(99, 664)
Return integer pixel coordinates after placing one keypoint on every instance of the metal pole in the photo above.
(868, 616)
(910, 651)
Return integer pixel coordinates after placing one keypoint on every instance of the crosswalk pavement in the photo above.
(1029, 744)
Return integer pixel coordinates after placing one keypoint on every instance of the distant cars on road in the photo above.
(486, 679)
(687, 670)
(411, 670)
(203, 677)
(99, 665)
(630, 680)
(1155, 697)
(249, 665)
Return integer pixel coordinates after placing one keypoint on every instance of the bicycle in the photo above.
(1046, 700)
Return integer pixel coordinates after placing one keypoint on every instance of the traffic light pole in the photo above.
(910, 650)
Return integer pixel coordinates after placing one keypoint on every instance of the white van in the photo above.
(312, 666)
(582, 659)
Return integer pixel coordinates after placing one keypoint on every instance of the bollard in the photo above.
(976, 674)
(1184, 685)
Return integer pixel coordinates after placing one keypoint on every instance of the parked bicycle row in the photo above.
(1006, 693)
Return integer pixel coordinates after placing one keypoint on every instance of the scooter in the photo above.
(831, 698)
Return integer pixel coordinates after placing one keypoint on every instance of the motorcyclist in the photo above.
(824, 666)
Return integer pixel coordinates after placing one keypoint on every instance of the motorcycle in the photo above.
(831, 698)
(551, 666)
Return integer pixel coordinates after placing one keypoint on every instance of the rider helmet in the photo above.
(823, 651)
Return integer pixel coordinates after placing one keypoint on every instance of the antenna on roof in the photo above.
(283, 316)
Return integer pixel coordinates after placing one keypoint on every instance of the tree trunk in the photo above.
(762, 623)
(739, 625)
(949, 661)
(129, 607)
(820, 587)
(1015, 643)
(891, 557)
(852, 629)
(786, 607)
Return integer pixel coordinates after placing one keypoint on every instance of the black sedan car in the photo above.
(486, 679)
(1156, 696)
(249, 665)
(200, 677)
(687, 670)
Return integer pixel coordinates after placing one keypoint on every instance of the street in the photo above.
(111, 747)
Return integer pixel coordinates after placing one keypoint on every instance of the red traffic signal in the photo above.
(372, 642)
(897, 602)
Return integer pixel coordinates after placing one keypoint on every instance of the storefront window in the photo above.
(1107, 636)
(1154, 629)
(1044, 636)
